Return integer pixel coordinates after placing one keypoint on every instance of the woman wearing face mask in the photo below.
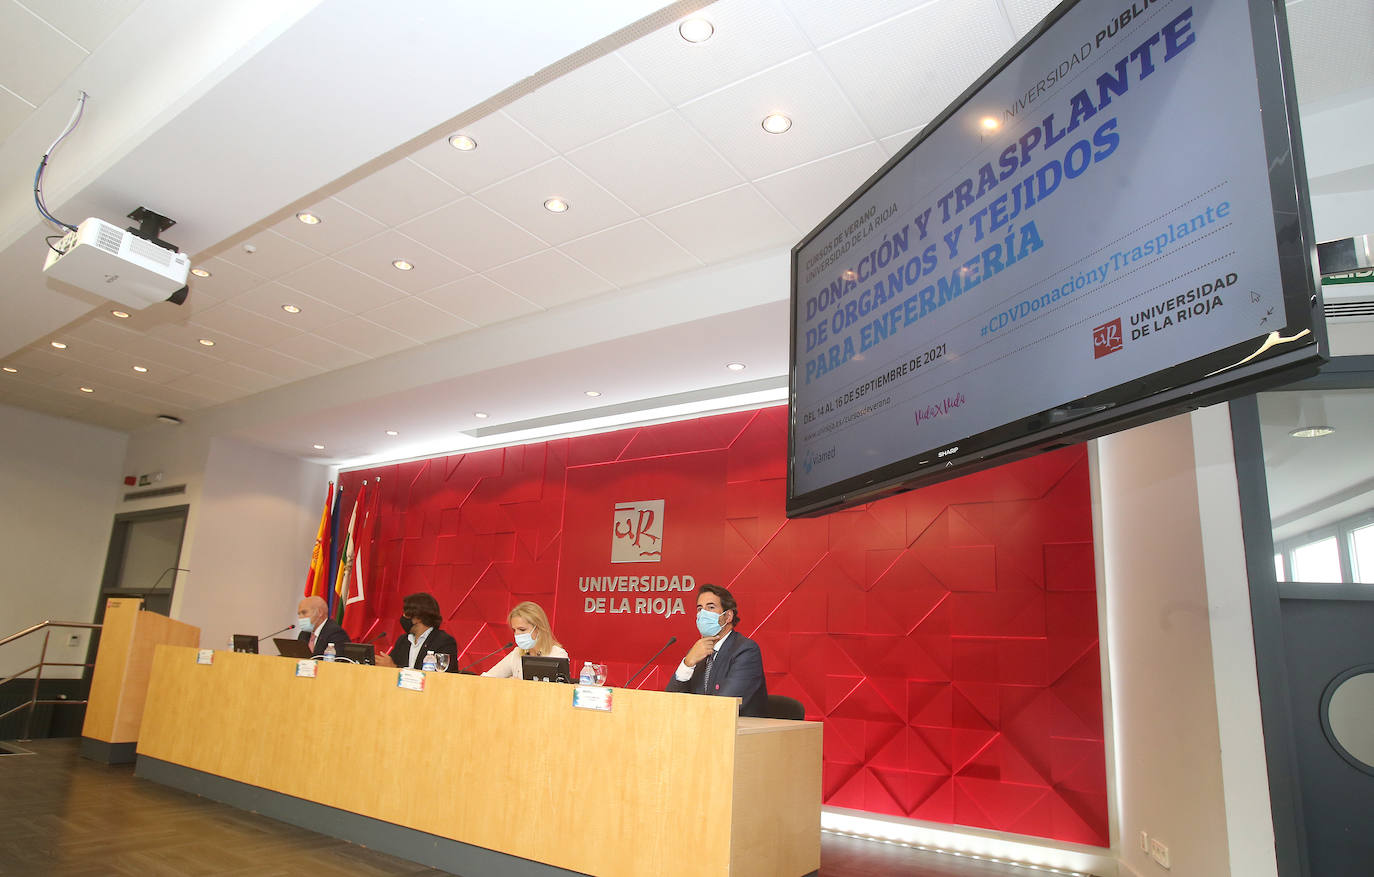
(530, 626)
(420, 618)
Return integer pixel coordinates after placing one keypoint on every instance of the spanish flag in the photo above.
(316, 584)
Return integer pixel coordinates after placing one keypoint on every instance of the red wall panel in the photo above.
(947, 637)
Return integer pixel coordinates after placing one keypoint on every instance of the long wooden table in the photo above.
(663, 784)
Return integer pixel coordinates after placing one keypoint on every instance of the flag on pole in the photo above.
(332, 573)
(356, 585)
(347, 581)
(319, 556)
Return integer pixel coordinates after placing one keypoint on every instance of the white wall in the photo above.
(59, 481)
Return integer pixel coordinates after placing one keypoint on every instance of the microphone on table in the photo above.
(671, 640)
(275, 632)
(509, 645)
(381, 635)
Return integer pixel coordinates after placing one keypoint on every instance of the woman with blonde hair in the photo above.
(533, 636)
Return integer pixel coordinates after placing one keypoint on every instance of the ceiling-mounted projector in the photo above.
(117, 264)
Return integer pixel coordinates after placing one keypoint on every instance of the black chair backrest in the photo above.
(783, 707)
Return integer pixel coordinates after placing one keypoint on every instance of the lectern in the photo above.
(119, 684)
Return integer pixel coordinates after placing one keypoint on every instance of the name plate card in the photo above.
(306, 668)
(205, 656)
(413, 680)
(592, 697)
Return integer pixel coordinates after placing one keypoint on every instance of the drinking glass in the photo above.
(442, 658)
(600, 673)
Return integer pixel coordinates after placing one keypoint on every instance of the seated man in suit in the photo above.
(315, 628)
(723, 662)
(420, 618)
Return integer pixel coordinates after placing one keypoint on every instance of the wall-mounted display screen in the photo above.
(1110, 226)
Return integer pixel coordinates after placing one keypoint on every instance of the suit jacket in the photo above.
(736, 671)
(329, 633)
(436, 642)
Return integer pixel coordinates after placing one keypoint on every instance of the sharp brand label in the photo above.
(637, 532)
(947, 451)
(1107, 338)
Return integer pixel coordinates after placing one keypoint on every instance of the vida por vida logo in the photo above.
(1107, 338)
(637, 532)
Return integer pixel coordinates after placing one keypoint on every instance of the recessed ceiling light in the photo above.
(86, 390)
(58, 344)
(735, 366)
(776, 123)
(593, 393)
(556, 205)
(1312, 431)
(696, 30)
(480, 415)
(402, 265)
(207, 342)
(169, 418)
(318, 447)
(308, 218)
(11, 369)
(120, 314)
(291, 309)
(462, 143)
(141, 369)
(850, 274)
(392, 432)
(989, 123)
(200, 272)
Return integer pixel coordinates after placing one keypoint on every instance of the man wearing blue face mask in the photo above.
(723, 662)
(315, 629)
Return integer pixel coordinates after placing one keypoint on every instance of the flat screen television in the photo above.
(1110, 226)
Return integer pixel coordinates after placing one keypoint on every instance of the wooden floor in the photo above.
(65, 816)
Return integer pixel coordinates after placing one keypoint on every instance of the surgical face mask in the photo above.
(305, 624)
(525, 641)
(708, 622)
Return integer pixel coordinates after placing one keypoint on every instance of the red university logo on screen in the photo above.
(637, 532)
(1107, 338)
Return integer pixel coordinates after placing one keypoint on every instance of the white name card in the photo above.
(205, 656)
(592, 697)
(306, 668)
(414, 680)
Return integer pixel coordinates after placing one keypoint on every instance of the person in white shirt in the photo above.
(420, 620)
(724, 662)
(533, 636)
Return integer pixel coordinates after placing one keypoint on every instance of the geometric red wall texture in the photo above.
(946, 637)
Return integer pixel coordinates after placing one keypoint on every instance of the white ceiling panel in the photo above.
(226, 280)
(187, 335)
(98, 331)
(657, 164)
(206, 388)
(86, 23)
(808, 194)
(340, 226)
(631, 253)
(398, 192)
(749, 37)
(592, 101)
(39, 364)
(504, 148)
(342, 286)
(319, 351)
(521, 200)
(473, 234)
(479, 301)
(268, 254)
(418, 319)
(366, 337)
(13, 112)
(246, 325)
(823, 120)
(287, 368)
(1026, 14)
(164, 353)
(910, 88)
(1323, 32)
(549, 279)
(267, 300)
(250, 380)
(894, 143)
(37, 57)
(825, 21)
(374, 256)
(729, 224)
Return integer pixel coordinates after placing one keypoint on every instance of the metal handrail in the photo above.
(43, 661)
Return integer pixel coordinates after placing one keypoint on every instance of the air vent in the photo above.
(109, 238)
(156, 491)
(1349, 309)
(150, 251)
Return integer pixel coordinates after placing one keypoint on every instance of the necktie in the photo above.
(313, 637)
(706, 678)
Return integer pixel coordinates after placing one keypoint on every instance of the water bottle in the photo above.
(329, 652)
(588, 675)
(430, 664)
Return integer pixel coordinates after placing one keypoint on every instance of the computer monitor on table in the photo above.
(245, 643)
(358, 653)
(544, 669)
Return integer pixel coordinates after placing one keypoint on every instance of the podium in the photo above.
(119, 683)
(489, 776)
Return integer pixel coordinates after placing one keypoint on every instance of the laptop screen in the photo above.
(542, 669)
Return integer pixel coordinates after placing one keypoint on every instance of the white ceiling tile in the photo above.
(398, 192)
(13, 112)
(340, 226)
(549, 279)
(479, 301)
(160, 353)
(808, 194)
(226, 280)
(249, 379)
(592, 101)
(86, 23)
(134, 382)
(103, 332)
(962, 39)
(749, 37)
(631, 253)
(375, 255)
(1026, 14)
(272, 255)
(366, 337)
(264, 359)
(825, 21)
(521, 200)
(895, 143)
(1331, 48)
(267, 300)
(38, 363)
(245, 325)
(206, 388)
(319, 351)
(418, 319)
(726, 225)
(473, 234)
(656, 164)
(346, 288)
(823, 122)
(503, 149)
(37, 58)
(187, 335)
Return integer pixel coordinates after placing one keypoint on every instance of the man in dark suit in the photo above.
(420, 618)
(315, 628)
(723, 662)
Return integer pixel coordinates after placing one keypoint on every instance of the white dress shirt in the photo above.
(510, 668)
(417, 645)
(684, 673)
